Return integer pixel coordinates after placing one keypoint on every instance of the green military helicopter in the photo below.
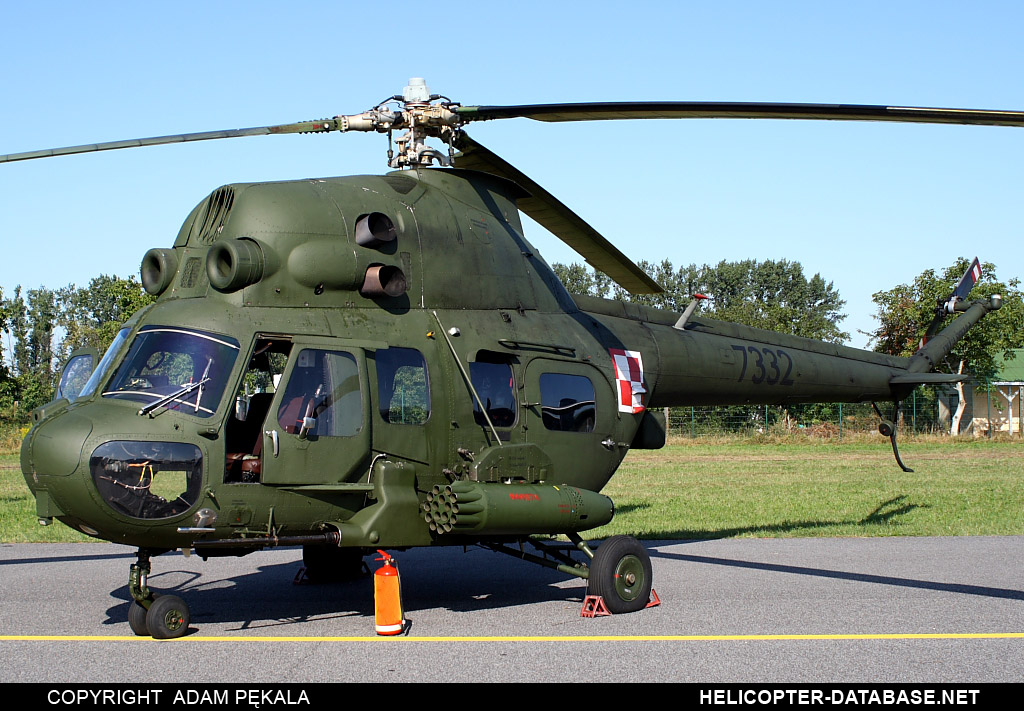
(369, 362)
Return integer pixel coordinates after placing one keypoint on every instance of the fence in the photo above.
(921, 413)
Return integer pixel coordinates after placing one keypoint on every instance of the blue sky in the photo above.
(866, 205)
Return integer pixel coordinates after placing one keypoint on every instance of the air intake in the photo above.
(234, 264)
(158, 269)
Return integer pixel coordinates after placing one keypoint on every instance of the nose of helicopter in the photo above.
(115, 489)
(54, 448)
(50, 454)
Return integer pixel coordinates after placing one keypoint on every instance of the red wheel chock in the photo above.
(654, 601)
(593, 605)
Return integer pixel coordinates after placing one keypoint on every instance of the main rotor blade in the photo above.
(610, 111)
(553, 214)
(300, 127)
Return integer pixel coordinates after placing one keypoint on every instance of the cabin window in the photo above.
(402, 386)
(567, 402)
(322, 397)
(495, 384)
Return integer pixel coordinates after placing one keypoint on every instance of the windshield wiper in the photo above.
(183, 390)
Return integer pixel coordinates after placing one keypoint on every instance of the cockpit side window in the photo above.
(106, 361)
(322, 397)
(74, 376)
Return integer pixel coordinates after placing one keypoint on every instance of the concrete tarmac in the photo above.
(814, 610)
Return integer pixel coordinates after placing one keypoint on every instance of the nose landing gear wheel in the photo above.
(168, 617)
(621, 574)
(137, 618)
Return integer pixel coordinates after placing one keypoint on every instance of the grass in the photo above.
(770, 486)
(710, 488)
(18, 521)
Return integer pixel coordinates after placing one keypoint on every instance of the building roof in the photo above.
(1010, 371)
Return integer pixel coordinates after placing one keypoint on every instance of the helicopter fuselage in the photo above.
(389, 359)
(369, 362)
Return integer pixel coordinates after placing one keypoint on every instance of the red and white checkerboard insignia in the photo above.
(629, 377)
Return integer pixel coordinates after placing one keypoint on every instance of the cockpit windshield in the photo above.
(174, 368)
(100, 371)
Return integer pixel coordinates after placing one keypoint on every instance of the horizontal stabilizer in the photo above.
(926, 378)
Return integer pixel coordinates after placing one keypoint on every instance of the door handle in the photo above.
(274, 438)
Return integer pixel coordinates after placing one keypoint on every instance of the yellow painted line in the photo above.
(568, 638)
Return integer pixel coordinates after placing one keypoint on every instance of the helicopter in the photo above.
(357, 363)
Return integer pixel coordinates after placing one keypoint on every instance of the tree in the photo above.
(777, 296)
(8, 385)
(33, 321)
(905, 312)
(577, 279)
(30, 320)
(774, 295)
(92, 315)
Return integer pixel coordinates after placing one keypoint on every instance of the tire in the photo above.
(330, 564)
(168, 617)
(137, 619)
(621, 574)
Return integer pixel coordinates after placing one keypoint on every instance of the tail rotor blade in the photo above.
(967, 281)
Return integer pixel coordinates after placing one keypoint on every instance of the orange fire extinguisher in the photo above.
(387, 597)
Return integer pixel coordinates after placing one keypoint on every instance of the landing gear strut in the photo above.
(887, 428)
(151, 614)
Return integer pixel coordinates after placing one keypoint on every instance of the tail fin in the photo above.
(928, 356)
(948, 306)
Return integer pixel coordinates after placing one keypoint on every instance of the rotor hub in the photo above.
(423, 115)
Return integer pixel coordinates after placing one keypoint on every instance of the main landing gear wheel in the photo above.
(331, 564)
(621, 574)
(168, 617)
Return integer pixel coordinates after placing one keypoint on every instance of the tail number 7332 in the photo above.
(767, 365)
